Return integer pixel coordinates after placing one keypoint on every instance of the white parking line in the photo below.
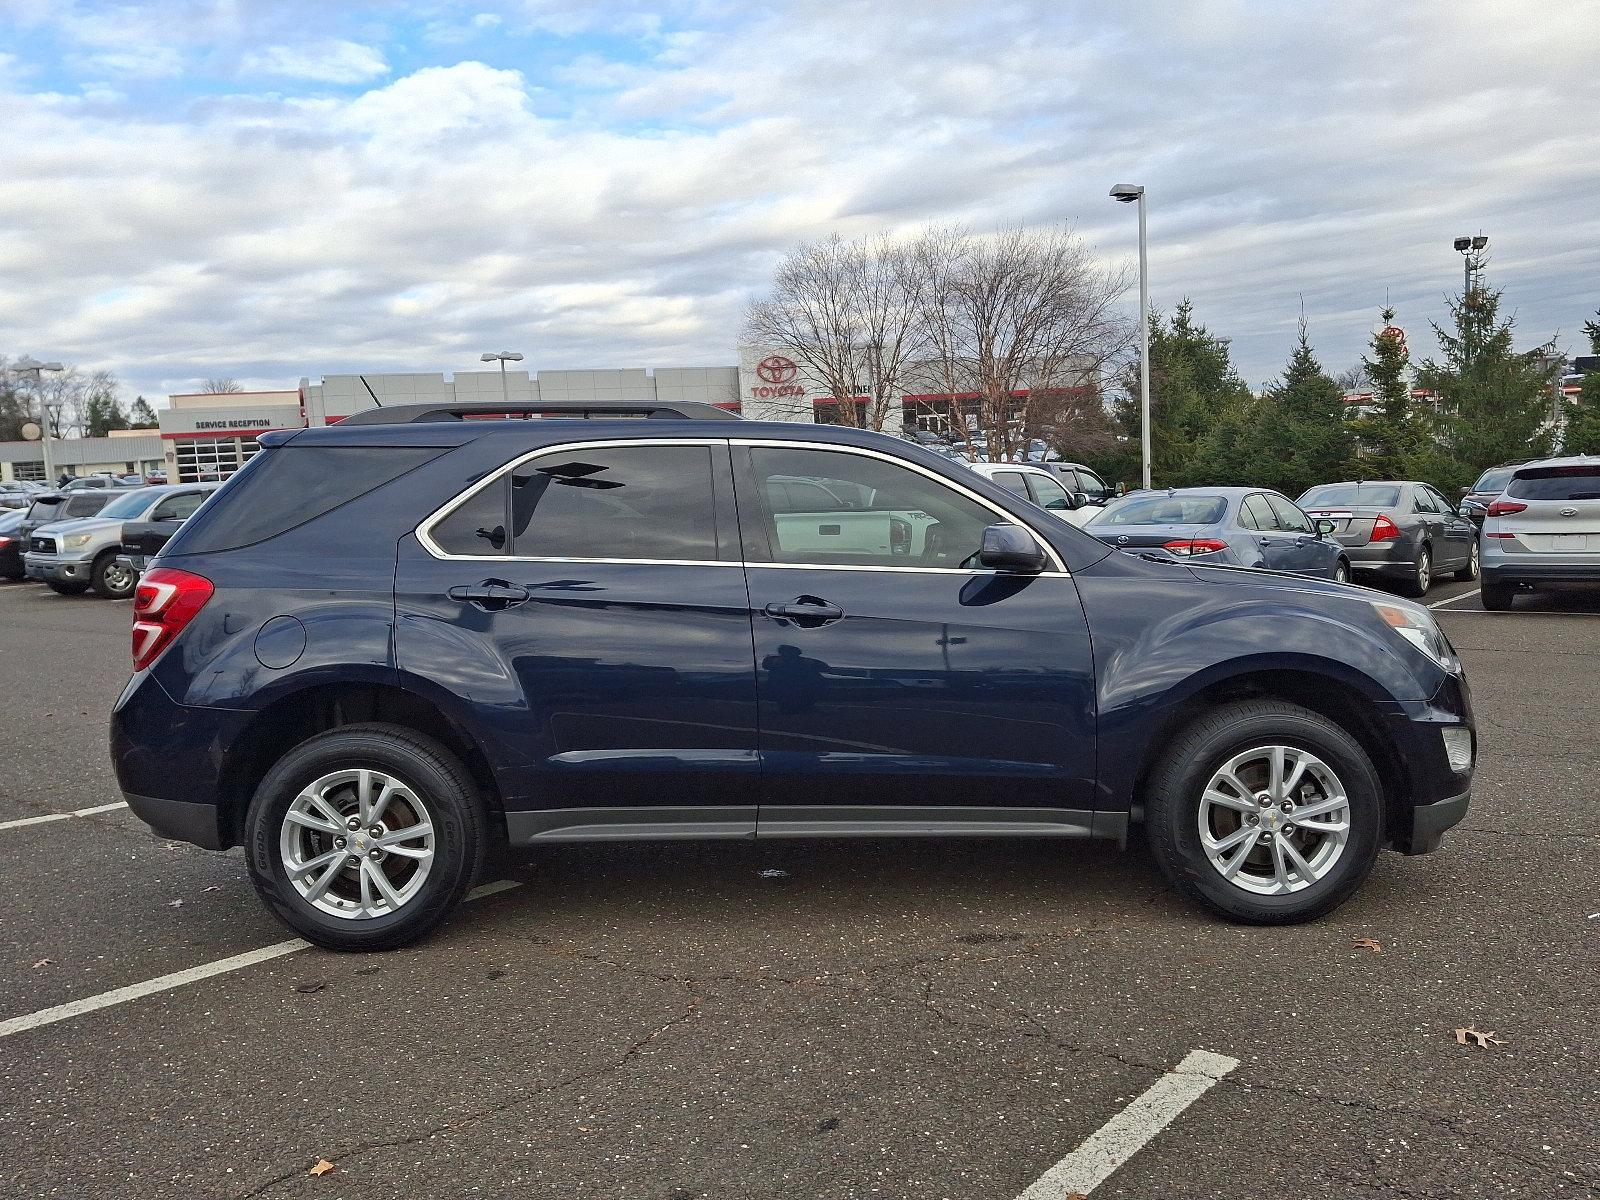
(1120, 1138)
(77, 812)
(165, 983)
(1452, 600)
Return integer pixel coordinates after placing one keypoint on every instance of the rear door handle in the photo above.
(805, 610)
(492, 595)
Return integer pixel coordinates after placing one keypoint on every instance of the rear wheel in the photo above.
(366, 837)
(1496, 597)
(66, 589)
(1423, 578)
(1470, 572)
(113, 580)
(1341, 572)
(1265, 812)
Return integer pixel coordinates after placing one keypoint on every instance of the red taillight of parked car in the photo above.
(164, 603)
(1383, 529)
(1504, 508)
(1192, 546)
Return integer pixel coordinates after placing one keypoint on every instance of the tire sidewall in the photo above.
(1179, 816)
(103, 589)
(457, 837)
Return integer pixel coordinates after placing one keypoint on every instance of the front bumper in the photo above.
(55, 568)
(182, 820)
(1428, 823)
(1428, 796)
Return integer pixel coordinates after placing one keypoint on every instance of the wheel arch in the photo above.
(297, 716)
(1336, 694)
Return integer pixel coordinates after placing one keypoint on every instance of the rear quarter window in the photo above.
(286, 486)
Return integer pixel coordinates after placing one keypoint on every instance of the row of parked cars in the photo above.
(94, 538)
(1520, 525)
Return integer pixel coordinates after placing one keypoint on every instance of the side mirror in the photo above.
(1082, 498)
(1325, 527)
(1465, 490)
(1011, 548)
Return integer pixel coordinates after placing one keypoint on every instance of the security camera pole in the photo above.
(33, 367)
(1126, 193)
(504, 357)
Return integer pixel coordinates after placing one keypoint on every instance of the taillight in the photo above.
(1504, 508)
(5, 541)
(1383, 529)
(164, 603)
(1192, 546)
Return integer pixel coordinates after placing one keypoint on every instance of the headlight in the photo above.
(1419, 628)
(75, 541)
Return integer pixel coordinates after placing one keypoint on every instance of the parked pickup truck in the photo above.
(73, 556)
(143, 540)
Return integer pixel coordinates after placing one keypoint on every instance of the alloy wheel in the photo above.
(1274, 820)
(118, 578)
(357, 844)
(1425, 571)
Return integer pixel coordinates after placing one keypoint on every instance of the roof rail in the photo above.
(406, 414)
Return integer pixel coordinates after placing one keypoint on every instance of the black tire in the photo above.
(1496, 597)
(66, 589)
(1469, 572)
(1172, 808)
(12, 573)
(1341, 572)
(454, 805)
(1422, 579)
(106, 578)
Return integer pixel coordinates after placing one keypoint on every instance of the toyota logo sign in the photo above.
(777, 369)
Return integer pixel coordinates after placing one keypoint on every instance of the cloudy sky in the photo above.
(276, 188)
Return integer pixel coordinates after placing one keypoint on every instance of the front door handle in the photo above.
(808, 611)
(492, 595)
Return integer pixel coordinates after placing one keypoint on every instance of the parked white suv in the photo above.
(1544, 528)
(1040, 486)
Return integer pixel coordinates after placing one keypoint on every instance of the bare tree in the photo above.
(221, 386)
(850, 313)
(1017, 320)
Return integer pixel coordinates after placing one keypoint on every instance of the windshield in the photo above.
(1494, 480)
(1165, 510)
(1371, 495)
(130, 505)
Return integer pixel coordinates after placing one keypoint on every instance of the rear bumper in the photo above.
(1382, 558)
(1525, 568)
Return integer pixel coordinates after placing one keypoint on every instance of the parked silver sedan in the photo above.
(1402, 532)
(1545, 528)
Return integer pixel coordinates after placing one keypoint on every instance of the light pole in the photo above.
(1127, 193)
(32, 366)
(504, 357)
(1468, 247)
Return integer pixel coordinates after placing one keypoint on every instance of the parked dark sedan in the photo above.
(1476, 499)
(1226, 527)
(12, 543)
(1402, 532)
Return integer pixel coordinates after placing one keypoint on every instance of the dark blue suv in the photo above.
(385, 646)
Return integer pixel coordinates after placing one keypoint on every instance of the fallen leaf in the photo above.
(214, 887)
(174, 903)
(310, 986)
(1483, 1040)
(772, 873)
(322, 1168)
(1372, 944)
(43, 962)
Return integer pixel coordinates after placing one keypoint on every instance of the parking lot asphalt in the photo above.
(833, 1019)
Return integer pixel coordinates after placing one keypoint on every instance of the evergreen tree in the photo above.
(1391, 438)
(1494, 401)
(1298, 436)
(1582, 434)
(142, 416)
(102, 413)
(1196, 400)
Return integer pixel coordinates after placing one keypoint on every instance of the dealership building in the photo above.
(211, 435)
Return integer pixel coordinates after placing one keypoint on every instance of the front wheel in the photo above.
(1265, 812)
(365, 837)
(1469, 572)
(113, 580)
(1341, 572)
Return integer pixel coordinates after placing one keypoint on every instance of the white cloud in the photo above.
(1289, 153)
(330, 60)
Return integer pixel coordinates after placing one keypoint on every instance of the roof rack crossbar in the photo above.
(406, 414)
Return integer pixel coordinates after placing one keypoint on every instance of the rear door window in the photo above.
(1012, 481)
(1256, 513)
(179, 507)
(1047, 493)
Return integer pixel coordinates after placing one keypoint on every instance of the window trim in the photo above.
(424, 528)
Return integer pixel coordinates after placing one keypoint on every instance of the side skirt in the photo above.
(823, 821)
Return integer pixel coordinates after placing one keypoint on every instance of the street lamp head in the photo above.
(1479, 242)
(1125, 193)
(510, 356)
(492, 357)
(503, 357)
(1463, 244)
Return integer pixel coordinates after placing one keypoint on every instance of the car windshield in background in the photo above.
(1557, 483)
(1495, 480)
(44, 510)
(1368, 495)
(1165, 510)
(130, 505)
